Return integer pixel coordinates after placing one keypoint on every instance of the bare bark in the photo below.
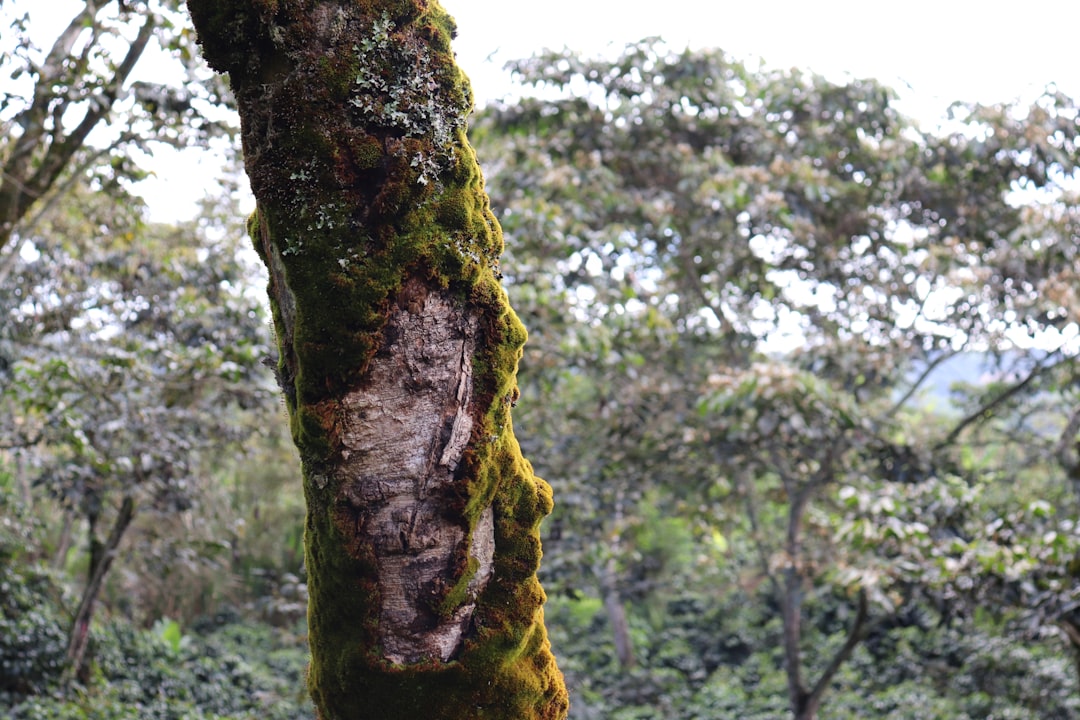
(403, 437)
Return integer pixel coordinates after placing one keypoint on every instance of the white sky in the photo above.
(932, 52)
(944, 50)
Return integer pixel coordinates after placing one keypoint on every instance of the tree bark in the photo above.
(398, 355)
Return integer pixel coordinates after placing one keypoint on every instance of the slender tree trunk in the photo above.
(64, 543)
(398, 355)
(608, 573)
(806, 701)
(791, 602)
(102, 556)
(616, 612)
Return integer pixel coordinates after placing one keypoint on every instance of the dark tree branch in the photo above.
(13, 185)
(930, 368)
(986, 411)
(855, 636)
(746, 489)
(80, 629)
(59, 155)
(1066, 449)
(20, 186)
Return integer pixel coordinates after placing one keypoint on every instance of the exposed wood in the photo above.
(403, 435)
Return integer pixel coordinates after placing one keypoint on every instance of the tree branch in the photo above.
(1064, 450)
(58, 156)
(988, 409)
(13, 184)
(855, 636)
(930, 368)
(80, 629)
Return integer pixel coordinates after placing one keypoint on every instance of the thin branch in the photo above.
(755, 529)
(855, 636)
(1071, 631)
(19, 190)
(24, 442)
(100, 106)
(930, 368)
(80, 631)
(48, 74)
(988, 409)
(7, 262)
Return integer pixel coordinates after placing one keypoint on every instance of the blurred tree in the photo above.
(398, 354)
(817, 258)
(76, 109)
(135, 353)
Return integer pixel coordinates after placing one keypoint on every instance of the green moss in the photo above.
(458, 594)
(367, 152)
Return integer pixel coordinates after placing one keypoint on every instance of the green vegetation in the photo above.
(369, 259)
(742, 287)
(874, 518)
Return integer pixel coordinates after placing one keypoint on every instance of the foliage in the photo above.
(132, 362)
(757, 276)
(788, 351)
(33, 632)
(222, 669)
(719, 655)
(81, 110)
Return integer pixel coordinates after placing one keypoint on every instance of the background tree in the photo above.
(76, 108)
(684, 447)
(734, 206)
(398, 353)
(139, 477)
(134, 354)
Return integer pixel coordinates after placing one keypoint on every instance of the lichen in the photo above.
(353, 118)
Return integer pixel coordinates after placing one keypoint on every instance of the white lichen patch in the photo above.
(403, 436)
(412, 102)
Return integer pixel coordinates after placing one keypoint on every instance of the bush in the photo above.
(33, 637)
(33, 629)
(233, 671)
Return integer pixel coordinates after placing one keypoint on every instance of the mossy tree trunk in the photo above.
(398, 354)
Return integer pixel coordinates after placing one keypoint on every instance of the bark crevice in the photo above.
(403, 435)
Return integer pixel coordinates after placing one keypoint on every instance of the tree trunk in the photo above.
(616, 612)
(101, 559)
(398, 356)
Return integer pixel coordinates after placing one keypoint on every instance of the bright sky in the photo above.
(944, 50)
(932, 51)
